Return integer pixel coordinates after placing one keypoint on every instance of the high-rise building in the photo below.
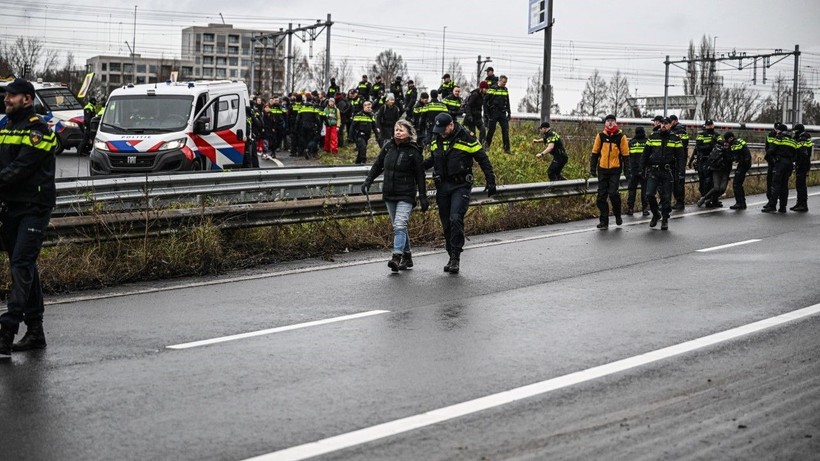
(113, 71)
(221, 52)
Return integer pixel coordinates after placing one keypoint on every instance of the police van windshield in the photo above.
(56, 99)
(144, 113)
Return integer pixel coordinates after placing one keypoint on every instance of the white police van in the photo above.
(59, 108)
(171, 126)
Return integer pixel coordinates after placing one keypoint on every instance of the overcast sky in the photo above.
(631, 36)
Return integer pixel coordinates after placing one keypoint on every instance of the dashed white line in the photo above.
(728, 245)
(207, 342)
(410, 423)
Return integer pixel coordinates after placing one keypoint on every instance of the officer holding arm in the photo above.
(27, 190)
(452, 153)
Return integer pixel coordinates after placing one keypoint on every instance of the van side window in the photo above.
(200, 102)
(228, 112)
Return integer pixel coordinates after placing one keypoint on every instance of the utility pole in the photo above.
(328, 23)
(546, 100)
(134, 50)
(480, 67)
(795, 110)
(289, 68)
(443, 35)
(666, 86)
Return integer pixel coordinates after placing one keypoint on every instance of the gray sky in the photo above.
(633, 36)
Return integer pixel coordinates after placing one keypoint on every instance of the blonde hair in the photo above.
(409, 127)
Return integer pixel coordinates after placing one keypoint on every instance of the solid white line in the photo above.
(206, 342)
(728, 245)
(399, 426)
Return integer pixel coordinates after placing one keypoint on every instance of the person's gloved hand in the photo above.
(490, 189)
(593, 171)
(424, 203)
(366, 187)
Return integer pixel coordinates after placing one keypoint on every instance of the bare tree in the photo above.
(531, 102)
(593, 98)
(738, 104)
(616, 95)
(301, 70)
(388, 65)
(343, 72)
(702, 78)
(31, 52)
(457, 75)
(772, 107)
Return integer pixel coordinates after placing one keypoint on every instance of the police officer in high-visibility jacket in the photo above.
(28, 193)
(362, 126)
(802, 165)
(663, 150)
(452, 154)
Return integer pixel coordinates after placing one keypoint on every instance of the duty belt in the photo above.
(460, 179)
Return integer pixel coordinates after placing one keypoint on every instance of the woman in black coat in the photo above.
(401, 161)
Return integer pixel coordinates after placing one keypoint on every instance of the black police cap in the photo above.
(442, 121)
(20, 86)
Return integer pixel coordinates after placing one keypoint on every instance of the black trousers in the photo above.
(737, 182)
(474, 124)
(24, 226)
(555, 168)
(679, 188)
(780, 182)
(609, 181)
(452, 201)
(769, 175)
(720, 181)
(636, 180)
(801, 170)
(361, 149)
(659, 182)
(704, 176)
(505, 131)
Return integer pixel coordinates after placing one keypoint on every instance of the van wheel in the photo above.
(197, 164)
(58, 148)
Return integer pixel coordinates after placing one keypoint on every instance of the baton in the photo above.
(370, 208)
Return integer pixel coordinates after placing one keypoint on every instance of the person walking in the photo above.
(401, 161)
(28, 192)
(553, 145)
(663, 149)
(410, 97)
(452, 154)
(332, 119)
(637, 145)
(608, 149)
(386, 118)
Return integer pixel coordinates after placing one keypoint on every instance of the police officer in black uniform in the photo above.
(679, 187)
(704, 144)
(782, 149)
(663, 149)
(452, 153)
(743, 157)
(89, 112)
(552, 145)
(637, 145)
(28, 193)
(802, 164)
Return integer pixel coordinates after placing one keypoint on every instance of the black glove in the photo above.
(366, 187)
(593, 171)
(424, 203)
(490, 189)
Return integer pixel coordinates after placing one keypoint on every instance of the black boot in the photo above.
(800, 207)
(454, 263)
(654, 221)
(406, 261)
(393, 264)
(449, 261)
(6, 338)
(34, 338)
(664, 224)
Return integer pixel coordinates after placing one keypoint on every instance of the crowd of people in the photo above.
(304, 122)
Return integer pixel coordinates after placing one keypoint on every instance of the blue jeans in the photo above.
(399, 212)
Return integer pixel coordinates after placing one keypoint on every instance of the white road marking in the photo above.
(243, 278)
(410, 423)
(728, 245)
(206, 342)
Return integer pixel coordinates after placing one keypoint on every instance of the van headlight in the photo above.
(172, 145)
(70, 124)
(100, 145)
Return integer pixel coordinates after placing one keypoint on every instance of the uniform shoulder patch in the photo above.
(35, 137)
(34, 118)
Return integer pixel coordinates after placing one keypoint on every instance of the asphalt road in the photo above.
(584, 317)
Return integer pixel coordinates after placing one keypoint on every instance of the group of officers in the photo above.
(294, 122)
(657, 165)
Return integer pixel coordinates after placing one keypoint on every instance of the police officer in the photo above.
(743, 157)
(364, 88)
(397, 90)
(679, 188)
(377, 89)
(663, 149)
(454, 102)
(783, 148)
(498, 106)
(637, 145)
(452, 154)
(706, 141)
(802, 164)
(333, 88)
(446, 88)
(363, 125)
(27, 190)
(89, 112)
(431, 111)
(552, 145)
(309, 123)
(473, 109)
(410, 97)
